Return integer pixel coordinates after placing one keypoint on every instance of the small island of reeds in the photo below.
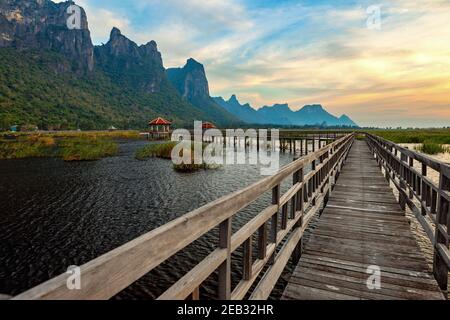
(164, 151)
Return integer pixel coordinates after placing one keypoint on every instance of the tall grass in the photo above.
(431, 148)
(160, 150)
(29, 147)
(69, 148)
(438, 136)
(118, 134)
(164, 151)
(82, 149)
(431, 140)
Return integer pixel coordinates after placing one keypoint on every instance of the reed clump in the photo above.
(432, 148)
(69, 148)
(31, 146)
(164, 151)
(85, 149)
(437, 136)
(159, 150)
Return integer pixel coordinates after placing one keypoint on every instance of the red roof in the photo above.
(208, 125)
(159, 121)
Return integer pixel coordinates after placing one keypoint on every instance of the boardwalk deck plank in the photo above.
(362, 225)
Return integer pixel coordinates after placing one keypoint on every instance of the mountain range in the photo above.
(54, 77)
(282, 114)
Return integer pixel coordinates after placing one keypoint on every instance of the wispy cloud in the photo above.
(303, 51)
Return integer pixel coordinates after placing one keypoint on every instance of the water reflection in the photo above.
(55, 214)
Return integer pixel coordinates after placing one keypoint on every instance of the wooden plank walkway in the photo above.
(361, 226)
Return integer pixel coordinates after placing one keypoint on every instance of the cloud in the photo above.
(303, 51)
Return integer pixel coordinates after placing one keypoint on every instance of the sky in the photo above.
(386, 72)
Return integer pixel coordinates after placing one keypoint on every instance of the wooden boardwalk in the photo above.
(361, 226)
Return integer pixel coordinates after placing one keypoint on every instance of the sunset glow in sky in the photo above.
(303, 52)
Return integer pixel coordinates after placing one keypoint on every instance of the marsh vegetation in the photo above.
(164, 151)
(429, 141)
(70, 146)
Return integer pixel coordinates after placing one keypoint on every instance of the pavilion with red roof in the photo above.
(208, 125)
(159, 127)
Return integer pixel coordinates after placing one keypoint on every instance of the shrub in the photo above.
(431, 148)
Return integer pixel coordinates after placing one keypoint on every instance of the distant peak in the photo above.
(115, 32)
(193, 62)
(277, 106)
(151, 43)
(314, 106)
(281, 105)
(233, 98)
(150, 46)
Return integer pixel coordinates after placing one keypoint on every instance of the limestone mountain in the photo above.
(243, 111)
(52, 75)
(190, 80)
(282, 114)
(129, 64)
(277, 114)
(316, 114)
(347, 120)
(192, 83)
(42, 25)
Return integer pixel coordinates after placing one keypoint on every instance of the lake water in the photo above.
(55, 214)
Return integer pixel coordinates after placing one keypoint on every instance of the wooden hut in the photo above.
(159, 128)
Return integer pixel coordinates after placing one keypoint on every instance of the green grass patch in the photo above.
(160, 150)
(70, 148)
(431, 141)
(83, 149)
(164, 151)
(431, 148)
(27, 147)
(437, 136)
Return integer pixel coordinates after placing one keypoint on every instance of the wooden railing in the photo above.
(105, 276)
(428, 200)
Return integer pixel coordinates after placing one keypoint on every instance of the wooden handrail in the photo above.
(432, 200)
(107, 275)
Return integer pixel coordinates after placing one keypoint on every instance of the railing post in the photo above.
(296, 254)
(423, 190)
(195, 295)
(294, 200)
(440, 269)
(247, 259)
(410, 175)
(262, 241)
(401, 196)
(225, 267)
(328, 181)
(312, 183)
(274, 220)
(387, 173)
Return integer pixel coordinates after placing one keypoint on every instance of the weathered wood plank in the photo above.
(362, 225)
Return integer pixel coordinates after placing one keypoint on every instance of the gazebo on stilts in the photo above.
(159, 129)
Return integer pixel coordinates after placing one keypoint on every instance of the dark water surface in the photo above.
(54, 214)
